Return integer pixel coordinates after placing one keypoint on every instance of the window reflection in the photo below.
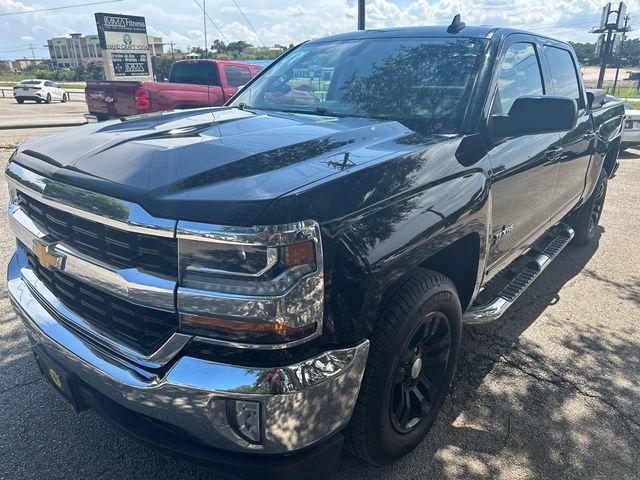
(422, 82)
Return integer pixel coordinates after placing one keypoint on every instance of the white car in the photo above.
(39, 90)
(631, 132)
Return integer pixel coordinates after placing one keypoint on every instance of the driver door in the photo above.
(524, 168)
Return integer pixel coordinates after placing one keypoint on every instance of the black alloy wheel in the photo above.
(413, 353)
(588, 217)
(598, 205)
(419, 373)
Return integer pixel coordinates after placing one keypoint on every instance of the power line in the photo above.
(58, 8)
(212, 22)
(249, 23)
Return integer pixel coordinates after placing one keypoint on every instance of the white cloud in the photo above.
(292, 21)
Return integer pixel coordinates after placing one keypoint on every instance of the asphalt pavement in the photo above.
(30, 115)
(549, 391)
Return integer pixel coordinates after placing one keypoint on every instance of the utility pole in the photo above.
(173, 57)
(360, 14)
(624, 35)
(33, 55)
(609, 27)
(204, 19)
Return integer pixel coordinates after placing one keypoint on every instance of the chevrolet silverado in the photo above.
(254, 286)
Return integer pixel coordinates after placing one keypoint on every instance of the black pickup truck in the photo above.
(256, 285)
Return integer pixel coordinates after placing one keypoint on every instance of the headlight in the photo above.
(259, 287)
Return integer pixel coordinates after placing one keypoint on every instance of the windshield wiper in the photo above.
(322, 111)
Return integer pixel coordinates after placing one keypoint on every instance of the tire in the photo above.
(586, 223)
(64, 98)
(20, 100)
(38, 100)
(425, 313)
(48, 100)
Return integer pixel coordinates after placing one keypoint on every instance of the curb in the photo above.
(23, 126)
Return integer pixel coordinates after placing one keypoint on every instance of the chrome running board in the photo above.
(509, 284)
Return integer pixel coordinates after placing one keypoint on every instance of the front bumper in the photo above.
(301, 404)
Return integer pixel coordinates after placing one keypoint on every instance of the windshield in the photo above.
(195, 73)
(422, 82)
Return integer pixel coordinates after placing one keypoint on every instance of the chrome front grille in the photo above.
(141, 328)
(115, 247)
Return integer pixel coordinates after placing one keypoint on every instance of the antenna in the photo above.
(456, 25)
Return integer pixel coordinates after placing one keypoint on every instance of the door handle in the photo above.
(589, 135)
(553, 153)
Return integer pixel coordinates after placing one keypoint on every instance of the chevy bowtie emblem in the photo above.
(47, 256)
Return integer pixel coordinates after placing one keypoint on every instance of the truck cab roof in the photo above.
(480, 31)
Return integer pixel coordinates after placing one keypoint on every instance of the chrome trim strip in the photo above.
(268, 236)
(62, 314)
(130, 284)
(301, 403)
(93, 206)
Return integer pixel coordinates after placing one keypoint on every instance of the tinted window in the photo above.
(237, 76)
(49, 84)
(422, 82)
(195, 73)
(563, 74)
(519, 76)
(30, 82)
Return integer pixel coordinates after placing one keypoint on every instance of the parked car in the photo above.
(631, 132)
(192, 83)
(39, 90)
(253, 286)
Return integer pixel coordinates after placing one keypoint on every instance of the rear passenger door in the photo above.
(524, 168)
(578, 144)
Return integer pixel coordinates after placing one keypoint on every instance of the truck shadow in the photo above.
(539, 416)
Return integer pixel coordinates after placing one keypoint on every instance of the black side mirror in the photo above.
(539, 114)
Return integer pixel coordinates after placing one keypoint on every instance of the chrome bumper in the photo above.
(301, 404)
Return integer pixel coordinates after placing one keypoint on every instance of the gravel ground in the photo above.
(549, 391)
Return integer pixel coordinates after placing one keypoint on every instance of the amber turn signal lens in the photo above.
(302, 253)
(246, 331)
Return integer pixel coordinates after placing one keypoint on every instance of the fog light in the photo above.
(244, 418)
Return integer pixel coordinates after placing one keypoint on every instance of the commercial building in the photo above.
(22, 64)
(77, 49)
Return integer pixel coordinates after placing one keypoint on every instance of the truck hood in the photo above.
(219, 165)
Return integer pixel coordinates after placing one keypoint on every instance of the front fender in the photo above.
(379, 249)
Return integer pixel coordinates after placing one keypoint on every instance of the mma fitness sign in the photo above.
(125, 47)
(121, 32)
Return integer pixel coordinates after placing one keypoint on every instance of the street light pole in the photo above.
(624, 35)
(204, 19)
(360, 14)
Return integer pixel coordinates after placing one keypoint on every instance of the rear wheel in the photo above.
(48, 100)
(20, 100)
(413, 355)
(588, 219)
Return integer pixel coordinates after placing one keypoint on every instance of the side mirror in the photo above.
(539, 114)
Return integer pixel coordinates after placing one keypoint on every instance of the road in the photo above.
(29, 114)
(549, 391)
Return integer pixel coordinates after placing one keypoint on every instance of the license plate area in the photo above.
(64, 383)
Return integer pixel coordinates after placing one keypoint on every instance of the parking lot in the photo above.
(549, 391)
(15, 117)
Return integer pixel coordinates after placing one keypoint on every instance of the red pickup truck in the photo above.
(192, 84)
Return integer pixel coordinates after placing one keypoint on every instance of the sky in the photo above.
(290, 21)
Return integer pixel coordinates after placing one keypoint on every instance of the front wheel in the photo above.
(413, 355)
(20, 100)
(586, 224)
(64, 98)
